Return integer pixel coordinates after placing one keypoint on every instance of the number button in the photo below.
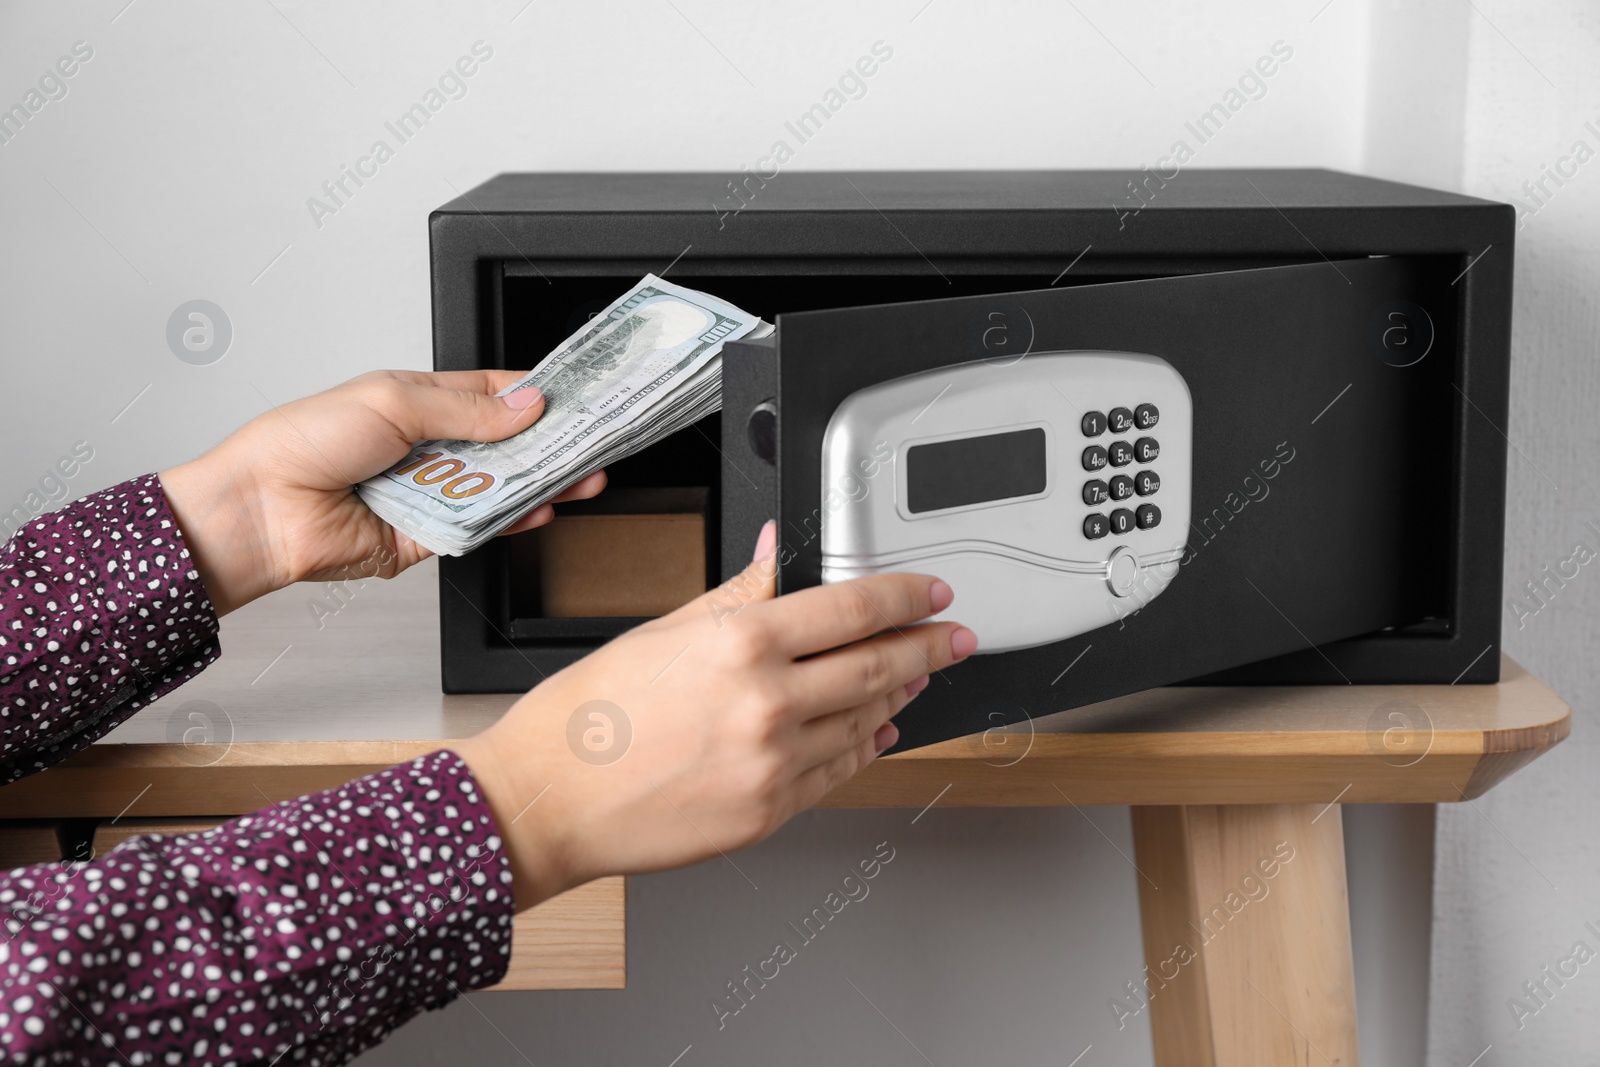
(1121, 521)
(1094, 492)
(1094, 527)
(1145, 416)
(1149, 516)
(1121, 420)
(1121, 453)
(1146, 449)
(1094, 424)
(1094, 458)
(1146, 482)
(1121, 487)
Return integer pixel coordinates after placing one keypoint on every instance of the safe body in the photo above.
(1345, 342)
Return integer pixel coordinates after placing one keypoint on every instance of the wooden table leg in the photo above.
(1246, 936)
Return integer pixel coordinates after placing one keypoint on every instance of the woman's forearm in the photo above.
(317, 925)
(103, 612)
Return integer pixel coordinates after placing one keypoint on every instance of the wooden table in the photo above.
(1232, 789)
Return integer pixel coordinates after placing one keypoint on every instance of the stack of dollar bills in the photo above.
(647, 366)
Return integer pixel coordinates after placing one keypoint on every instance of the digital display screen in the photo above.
(975, 470)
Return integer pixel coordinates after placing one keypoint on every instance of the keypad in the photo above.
(1121, 453)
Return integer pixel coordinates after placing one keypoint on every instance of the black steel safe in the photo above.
(1350, 334)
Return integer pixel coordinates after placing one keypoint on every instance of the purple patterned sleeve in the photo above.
(303, 933)
(103, 612)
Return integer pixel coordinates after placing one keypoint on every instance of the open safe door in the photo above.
(1128, 484)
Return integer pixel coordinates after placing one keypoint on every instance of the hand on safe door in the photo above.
(722, 719)
(274, 503)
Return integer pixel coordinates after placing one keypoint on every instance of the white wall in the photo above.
(1518, 874)
(179, 164)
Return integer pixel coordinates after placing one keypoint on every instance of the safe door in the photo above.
(1323, 483)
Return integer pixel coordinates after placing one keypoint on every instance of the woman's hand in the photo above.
(703, 731)
(275, 503)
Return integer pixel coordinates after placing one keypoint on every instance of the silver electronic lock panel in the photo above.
(1051, 493)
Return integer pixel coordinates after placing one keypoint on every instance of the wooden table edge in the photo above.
(1173, 766)
(1060, 769)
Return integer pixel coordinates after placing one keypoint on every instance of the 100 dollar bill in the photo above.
(605, 377)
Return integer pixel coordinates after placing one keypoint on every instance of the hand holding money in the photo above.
(647, 366)
(271, 504)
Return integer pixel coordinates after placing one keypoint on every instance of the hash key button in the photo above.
(1145, 416)
(1146, 482)
(1148, 516)
(1094, 458)
(1094, 492)
(1146, 449)
(1094, 527)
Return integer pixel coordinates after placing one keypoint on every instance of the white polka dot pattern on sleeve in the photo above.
(304, 933)
(101, 612)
